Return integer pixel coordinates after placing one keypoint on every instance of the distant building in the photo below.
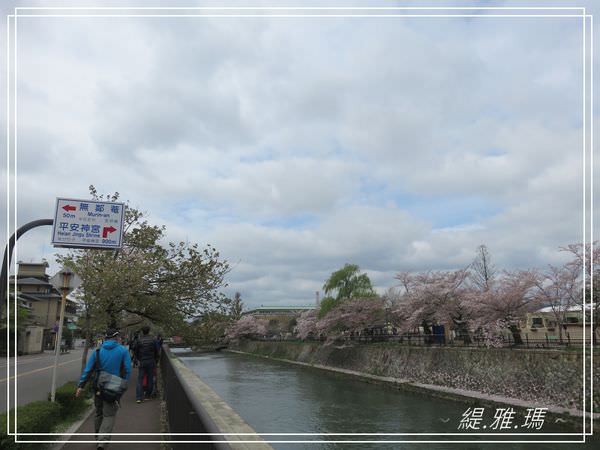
(282, 320)
(281, 311)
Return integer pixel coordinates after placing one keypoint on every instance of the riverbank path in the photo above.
(132, 417)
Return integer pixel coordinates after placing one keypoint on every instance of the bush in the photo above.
(65, 397)
(6, 442)
(36, 417)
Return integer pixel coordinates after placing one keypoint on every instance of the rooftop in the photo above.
(576, 308)
(280, 308)
(31, 280)
(43, 263)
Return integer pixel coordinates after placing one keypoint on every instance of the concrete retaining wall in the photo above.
(193, 407)
(541, 378)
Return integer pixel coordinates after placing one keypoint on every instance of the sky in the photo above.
(295, 145)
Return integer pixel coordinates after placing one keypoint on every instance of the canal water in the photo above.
(278, 397)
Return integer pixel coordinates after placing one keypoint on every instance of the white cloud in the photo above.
(295, 146)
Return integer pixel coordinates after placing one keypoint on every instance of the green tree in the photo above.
(349, 283)
(146, 281)
(23, 319)
(211, 328)
(327, 304)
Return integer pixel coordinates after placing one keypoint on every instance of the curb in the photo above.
(72, 429)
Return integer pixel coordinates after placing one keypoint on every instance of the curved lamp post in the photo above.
(8, 256)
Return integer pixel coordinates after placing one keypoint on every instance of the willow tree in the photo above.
(146, 281)
(349, 283)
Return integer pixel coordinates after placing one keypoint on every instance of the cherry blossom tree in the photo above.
(352, 316)
(510, 299)
(247, 327)
(433, 297)
(586, 263)
(307, 324)
(559, 288)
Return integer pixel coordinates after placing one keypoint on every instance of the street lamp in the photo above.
(66, 282)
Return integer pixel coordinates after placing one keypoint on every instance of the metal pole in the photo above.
(8, 251)
(65, 290)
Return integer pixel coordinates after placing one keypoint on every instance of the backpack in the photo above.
(109, 387)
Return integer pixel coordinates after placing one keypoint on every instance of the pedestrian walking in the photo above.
(110, 359)
(159, 343)
(147, 356)
(132, 348)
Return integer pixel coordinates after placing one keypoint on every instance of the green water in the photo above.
(276, 397)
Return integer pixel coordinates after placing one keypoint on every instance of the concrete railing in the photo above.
(194, 408)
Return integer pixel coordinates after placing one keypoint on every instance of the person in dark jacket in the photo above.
(113, 358)
(132, 346)
(147, 355)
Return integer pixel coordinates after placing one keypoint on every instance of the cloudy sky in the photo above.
(295, 145)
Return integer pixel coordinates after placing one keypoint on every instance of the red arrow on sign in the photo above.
(107, 230)
(69, 208)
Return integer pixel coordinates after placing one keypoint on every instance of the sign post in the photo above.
(83, 224)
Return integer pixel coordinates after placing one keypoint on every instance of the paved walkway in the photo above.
(131, 418)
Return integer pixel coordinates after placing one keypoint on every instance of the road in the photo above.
(34, 375)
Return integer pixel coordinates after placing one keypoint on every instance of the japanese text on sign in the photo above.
(88, 223)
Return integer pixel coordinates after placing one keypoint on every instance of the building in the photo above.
(36, 292)
(270, 312)
(281, 320)
(29, 336)
(542, 325)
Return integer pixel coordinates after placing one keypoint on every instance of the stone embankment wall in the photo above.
(552, 378)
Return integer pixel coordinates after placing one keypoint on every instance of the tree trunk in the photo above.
(516, 334)
(112, 323)
(427, 332)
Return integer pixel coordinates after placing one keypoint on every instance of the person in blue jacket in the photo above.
(115, 359)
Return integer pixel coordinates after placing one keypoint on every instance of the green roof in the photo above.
(280, 308)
